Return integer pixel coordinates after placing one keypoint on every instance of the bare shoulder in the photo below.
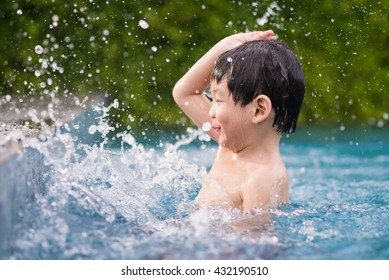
(267, 187)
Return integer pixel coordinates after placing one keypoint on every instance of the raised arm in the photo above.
(188, 91)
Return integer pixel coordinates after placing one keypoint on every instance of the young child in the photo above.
(257, 86)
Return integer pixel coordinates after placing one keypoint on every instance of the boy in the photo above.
(257, 87)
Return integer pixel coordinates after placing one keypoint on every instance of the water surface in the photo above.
(134, 201)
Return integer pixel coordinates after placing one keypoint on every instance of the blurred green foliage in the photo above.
(135, 51)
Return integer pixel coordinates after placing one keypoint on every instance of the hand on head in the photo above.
(240, 38)
(259, 35)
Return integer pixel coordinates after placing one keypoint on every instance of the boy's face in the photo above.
(230, 121)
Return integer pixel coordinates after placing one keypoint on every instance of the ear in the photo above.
(262, 108)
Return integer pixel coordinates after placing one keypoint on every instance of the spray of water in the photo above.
(91, 190)
(96, 201)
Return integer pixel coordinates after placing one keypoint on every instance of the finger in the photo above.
(266, 35)
(258, 35)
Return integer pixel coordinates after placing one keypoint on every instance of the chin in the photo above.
(223, 144)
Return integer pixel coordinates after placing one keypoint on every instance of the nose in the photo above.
(212, 111)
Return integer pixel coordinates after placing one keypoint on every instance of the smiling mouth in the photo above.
(217, 129)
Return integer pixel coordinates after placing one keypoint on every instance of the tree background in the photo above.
(135, 51)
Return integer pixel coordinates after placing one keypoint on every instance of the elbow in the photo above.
(176, 92)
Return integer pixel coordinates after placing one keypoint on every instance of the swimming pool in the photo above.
(135, 201)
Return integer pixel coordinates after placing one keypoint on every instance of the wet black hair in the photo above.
(266, 67)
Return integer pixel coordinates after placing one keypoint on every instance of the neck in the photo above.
(266, 149)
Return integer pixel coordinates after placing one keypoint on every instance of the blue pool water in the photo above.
(134, 201)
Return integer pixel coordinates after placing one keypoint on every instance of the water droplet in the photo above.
(92, 129)
(37, 73)
(261, 21)
(55, 19)
(206, 126)
(115, 104)
(143, 24)
(154, 48)
(229, 59)
(19, 12)
(38, 49)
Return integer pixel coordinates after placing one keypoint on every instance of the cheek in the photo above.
(229, 117)
(222, 114)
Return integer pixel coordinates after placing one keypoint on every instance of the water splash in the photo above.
(270, 11)
(133, 202)
(101, 202)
